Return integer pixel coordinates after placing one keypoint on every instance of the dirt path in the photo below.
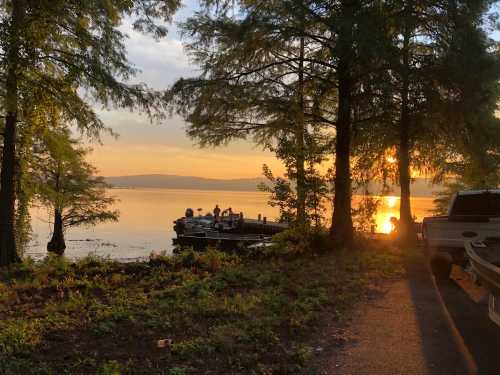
(416, 327)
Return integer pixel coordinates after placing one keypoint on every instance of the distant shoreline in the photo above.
(420, 186)
(356, 194)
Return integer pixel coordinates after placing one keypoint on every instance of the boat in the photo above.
(222, 241)
(484, 257)
(226, 232)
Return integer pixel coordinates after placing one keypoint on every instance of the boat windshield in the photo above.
(484, 204)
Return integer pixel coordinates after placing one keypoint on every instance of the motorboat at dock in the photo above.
(224, 232)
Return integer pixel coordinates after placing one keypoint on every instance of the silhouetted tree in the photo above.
(440, 92)
(258, 75)
(67, 184)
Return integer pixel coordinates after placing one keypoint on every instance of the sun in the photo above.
(391, 201)
(387, 227)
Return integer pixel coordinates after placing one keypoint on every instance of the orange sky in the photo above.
(163, 148)
(145, 148)
(119, 159)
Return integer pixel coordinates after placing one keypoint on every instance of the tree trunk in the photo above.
(406, 228)
(300, 152)
(57, 244)
(8, 250)
(342, 230)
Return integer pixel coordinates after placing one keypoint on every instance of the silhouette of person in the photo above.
(240, 221)
(394, 225)
(216, 212)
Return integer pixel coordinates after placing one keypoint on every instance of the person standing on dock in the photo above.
(216, 212)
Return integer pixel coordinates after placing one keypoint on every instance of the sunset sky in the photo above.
(145, 148)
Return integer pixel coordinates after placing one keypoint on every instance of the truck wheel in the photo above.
(441, 266)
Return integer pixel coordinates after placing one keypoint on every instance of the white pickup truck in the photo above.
(472, 216)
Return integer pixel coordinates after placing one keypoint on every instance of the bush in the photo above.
(292, 241)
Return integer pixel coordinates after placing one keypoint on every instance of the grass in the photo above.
(220, 313)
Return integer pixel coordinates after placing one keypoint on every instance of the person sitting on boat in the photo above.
(216, 212)
(180, 226)
(189, 212)
(240, 222)
(230, 215)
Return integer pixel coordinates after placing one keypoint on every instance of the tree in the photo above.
(285, 197)
(351, 44)
(66, 48)
(278, 56)
(440, 92)
(342, 228)
(257, 80)
(67, 184)
(456, 74)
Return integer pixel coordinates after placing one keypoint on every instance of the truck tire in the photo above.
(441, 266)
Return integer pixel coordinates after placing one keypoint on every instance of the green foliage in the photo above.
(16, 338)
(66, 184)
(110, 368)
(284, 196)
(294, 241)
(77, 45)
(364, 214)
(258, 80)
(222, 313)
(63, 57)
(450, 68)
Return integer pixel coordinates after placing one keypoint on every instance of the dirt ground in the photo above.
(414, 325)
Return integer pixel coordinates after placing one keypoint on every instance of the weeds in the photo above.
(222, 313)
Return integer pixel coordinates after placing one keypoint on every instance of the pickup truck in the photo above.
(472, 216)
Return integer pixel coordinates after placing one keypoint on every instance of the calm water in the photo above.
(147, 215)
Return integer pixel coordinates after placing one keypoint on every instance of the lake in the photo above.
(147, 215)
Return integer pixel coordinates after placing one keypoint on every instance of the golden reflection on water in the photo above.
(391, 201)
(389, 207)
(147, 215)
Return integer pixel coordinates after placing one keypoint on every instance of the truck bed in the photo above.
(453, 232)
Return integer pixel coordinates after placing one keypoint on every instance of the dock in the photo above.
(225, 233)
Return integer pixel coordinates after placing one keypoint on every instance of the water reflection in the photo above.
(391, 201)
(147, 215)
(389, 207)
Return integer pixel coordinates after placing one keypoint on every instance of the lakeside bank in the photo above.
(188, 314)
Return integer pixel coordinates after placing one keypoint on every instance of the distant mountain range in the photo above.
(184, 182)
(420, 187)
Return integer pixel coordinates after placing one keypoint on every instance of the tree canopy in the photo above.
(378, 81)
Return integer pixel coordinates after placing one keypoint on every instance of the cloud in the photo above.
(160, 62)
(144, 147)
